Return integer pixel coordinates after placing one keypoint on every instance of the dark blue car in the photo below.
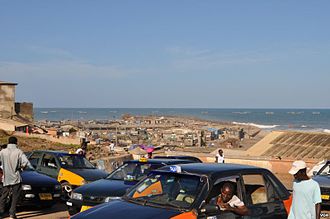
(38, 189)
(187, 191)
(116, 184)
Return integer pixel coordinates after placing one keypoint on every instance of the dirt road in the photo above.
(59, 211)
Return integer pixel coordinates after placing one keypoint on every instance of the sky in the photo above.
(167, 53)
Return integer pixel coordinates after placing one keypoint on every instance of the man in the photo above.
(220, 158)
(306, 202)
(227, 201)
(13, 160)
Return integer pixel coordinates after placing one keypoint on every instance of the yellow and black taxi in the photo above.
(187, 191)
(37, 189)
(70, 170)
(116, 184)
(323, 178)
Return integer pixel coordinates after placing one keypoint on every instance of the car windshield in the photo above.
(75, 161)
(325, 169)
(167, 190)
(132, 171)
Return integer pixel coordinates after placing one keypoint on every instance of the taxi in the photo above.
(116, 184)
(70, 170)
(187, 191)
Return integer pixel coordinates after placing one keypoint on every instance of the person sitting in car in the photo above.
(227, 201)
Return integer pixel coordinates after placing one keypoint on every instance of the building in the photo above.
(13, 116)
(7, 100)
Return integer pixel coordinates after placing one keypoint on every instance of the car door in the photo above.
(261, 197)
(49, 165)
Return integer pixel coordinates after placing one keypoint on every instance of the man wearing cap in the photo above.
(306, 202)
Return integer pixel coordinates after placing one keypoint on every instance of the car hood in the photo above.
(126, 210)
(105, 188)
(35, 178)
(89, 174)
(324, 181)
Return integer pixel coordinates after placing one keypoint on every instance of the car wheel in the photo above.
(66, 190)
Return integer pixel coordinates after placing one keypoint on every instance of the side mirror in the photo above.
(209, 209)
(314, 173)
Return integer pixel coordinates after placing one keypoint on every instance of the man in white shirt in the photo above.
(227, 201)
(306, 201)
(220, 158)
(13, 160)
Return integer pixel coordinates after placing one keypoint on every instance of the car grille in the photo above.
(43, 189)
(93, 199)
(325, 191)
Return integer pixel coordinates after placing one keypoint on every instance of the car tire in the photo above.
(66, 190)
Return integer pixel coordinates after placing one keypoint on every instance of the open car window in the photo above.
(258, 189)
(216, 188)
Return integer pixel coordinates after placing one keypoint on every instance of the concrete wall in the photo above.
(62, 140)
(25, 110)
(7, 100)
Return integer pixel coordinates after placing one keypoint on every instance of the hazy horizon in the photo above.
(167, 54)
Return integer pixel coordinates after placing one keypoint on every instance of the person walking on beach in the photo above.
(220, 158)
(306, 202)
(13, 160)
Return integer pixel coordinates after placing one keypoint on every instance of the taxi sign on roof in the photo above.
(143, 159)
(175, 169)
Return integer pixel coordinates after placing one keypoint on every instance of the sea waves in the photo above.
(256, 125)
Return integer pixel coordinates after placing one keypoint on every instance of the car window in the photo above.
(167, 190)
(258, 190)
(325, 170)
(132, 171)
(34, 158)
(49, 161)
(75, 161)
(216, 189)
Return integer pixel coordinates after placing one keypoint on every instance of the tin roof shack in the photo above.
(7, 99)
(52, 132)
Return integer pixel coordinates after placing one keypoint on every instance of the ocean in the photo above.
(274, 119)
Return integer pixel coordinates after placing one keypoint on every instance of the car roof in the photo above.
(161, 161)
(182, 157)
(57, 153)
(214, 170)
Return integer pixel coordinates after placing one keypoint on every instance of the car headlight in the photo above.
(76, 196)
(107, 199)
(26, 187)
(58, 187)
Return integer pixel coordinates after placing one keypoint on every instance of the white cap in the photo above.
(296, 166)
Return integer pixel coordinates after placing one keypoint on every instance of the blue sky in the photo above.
(170, 53)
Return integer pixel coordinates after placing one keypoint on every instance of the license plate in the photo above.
(84, 208)
(45, 196)
(325, 197)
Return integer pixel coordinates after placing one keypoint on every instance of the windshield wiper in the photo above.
(137, 200)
